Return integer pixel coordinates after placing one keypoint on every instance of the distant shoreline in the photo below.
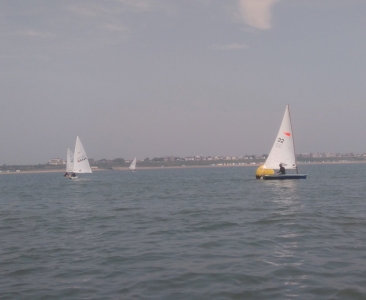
(176, 167)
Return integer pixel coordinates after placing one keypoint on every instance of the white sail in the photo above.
(69, 161)
(133, 165)
(283, 150)
(81, 163)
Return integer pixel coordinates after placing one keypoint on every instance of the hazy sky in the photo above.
(152, 78)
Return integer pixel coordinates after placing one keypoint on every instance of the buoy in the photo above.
(261, 172)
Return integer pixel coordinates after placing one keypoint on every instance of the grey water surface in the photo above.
(189, 233)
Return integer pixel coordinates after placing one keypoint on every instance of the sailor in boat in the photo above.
(282, 170)
(73, 175)
(66, 174)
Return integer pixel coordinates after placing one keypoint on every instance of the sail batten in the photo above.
(283, 150)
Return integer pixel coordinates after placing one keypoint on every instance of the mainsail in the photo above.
(69, 161)
(133, 165)
(81, 163)
(283, 150)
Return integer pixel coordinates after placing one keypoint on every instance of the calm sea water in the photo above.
(204, 233)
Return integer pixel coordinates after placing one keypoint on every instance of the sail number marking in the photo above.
(79, 159)
(279, 142)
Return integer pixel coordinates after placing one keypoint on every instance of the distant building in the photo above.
(56, 161)
(168, 158)
(348, 155)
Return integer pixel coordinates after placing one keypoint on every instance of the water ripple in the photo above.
(210, 233)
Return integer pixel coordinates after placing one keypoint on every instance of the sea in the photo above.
(186, 233)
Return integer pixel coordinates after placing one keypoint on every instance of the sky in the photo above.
(152, 78)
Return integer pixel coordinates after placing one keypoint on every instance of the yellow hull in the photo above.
(261, 172)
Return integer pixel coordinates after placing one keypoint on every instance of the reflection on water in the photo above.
(286, 205)
(284, 192)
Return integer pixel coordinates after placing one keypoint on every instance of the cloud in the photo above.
(257, 13)
(35, 34)
(39, 57)
(138, 5)
(233, 46)
(90, 10)
(115, 7)
(115, 27)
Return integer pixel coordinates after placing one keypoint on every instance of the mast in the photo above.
(293, 139)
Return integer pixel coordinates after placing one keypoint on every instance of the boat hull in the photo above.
(284, 176)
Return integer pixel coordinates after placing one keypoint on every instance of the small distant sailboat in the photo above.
(69, 162)
(133, 165)
(283, 152)
(81, 163)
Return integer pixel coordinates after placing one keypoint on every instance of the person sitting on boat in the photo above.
(73, 175)
(66, 174)
(282, 170)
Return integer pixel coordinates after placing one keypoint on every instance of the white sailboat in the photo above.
(81, 163)
(133, 165)
(282, 152)
(69, 162)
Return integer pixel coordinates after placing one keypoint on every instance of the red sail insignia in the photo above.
(287, 133)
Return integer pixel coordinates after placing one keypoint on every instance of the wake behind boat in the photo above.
(282, 154)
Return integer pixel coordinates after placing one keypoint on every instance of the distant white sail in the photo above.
(81, 163)
(283, 150)
(133, 165)
(69, 161)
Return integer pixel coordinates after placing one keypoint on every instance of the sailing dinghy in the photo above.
(283, 152)
(81, 163)
(133, 165)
